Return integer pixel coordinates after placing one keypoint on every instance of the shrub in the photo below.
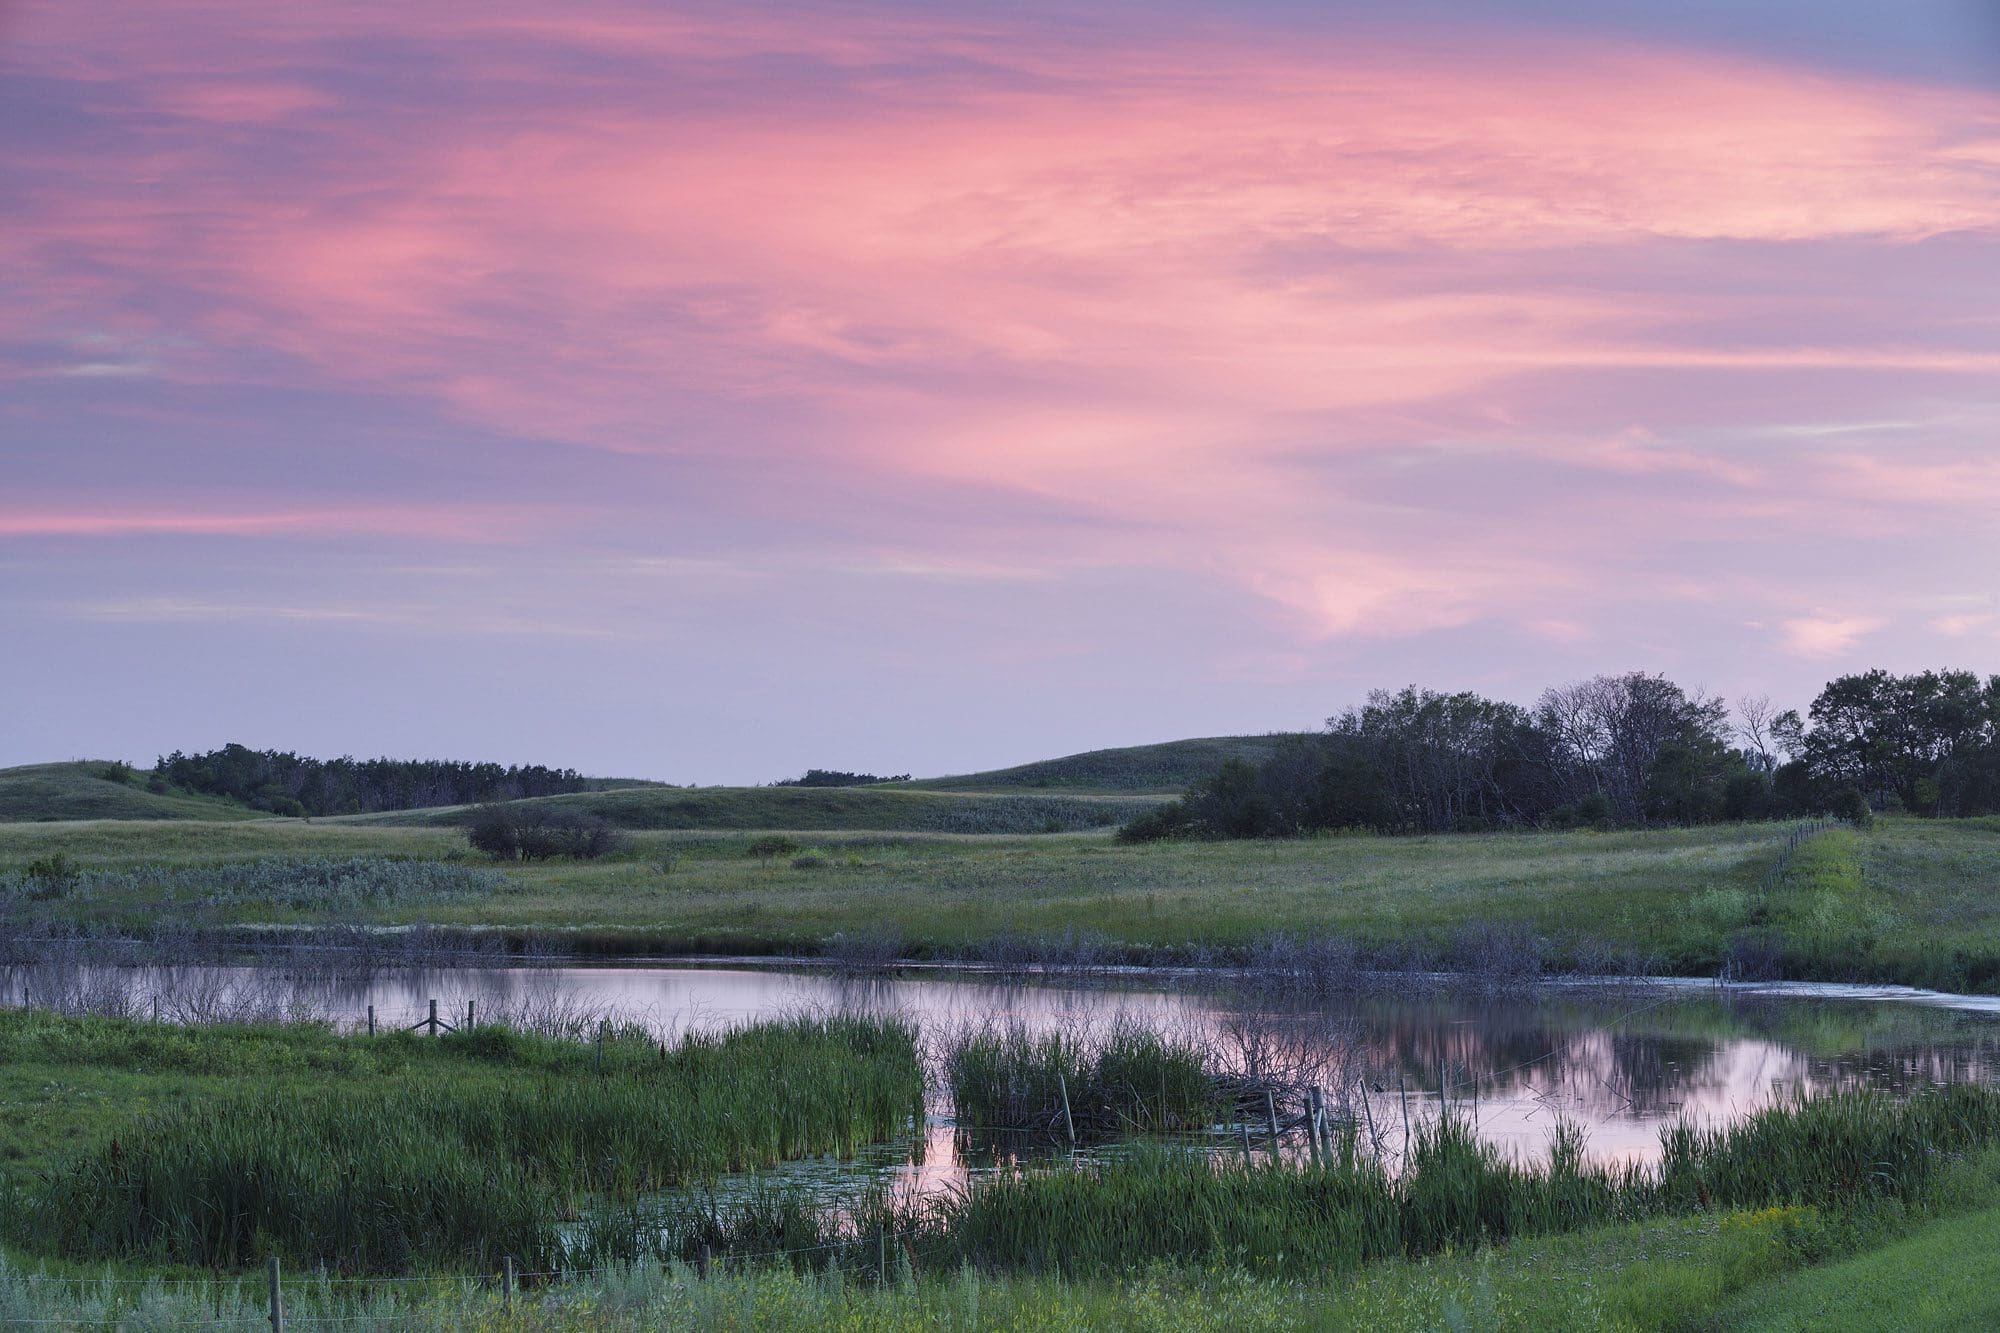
(1164, 821)
(771, 846)
(510, 833)
(55, 870)
(1852, 805)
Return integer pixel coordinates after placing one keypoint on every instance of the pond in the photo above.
(1620, 1060)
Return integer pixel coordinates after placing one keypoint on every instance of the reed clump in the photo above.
(1129, 1079)
(430, 1167)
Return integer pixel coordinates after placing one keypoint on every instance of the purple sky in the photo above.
(706, 392)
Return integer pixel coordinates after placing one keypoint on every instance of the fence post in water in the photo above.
(434, 1018)
(277, 1299)
(600, 1048)
(470, 1010)
(1271, 1114)
(371, 1020)
(1062, 1086)
(156, 1008)
(1316, 1125)
(507, 1285)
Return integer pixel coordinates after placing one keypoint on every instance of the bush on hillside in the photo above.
(507, 833)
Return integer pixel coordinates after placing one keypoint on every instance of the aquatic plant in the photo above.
(432, 1166)
(1127, 1079)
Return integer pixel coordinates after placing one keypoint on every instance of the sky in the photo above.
(705, 392)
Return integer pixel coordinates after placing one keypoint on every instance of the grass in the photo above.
(1131, 1079)
(1945, 1277)
(1907, 900)
(326, 885)
(1833, 1154)
(1669, 1273)
(383, 1154)
(1892, 1266)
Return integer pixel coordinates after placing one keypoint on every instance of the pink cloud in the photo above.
(1150, 285)
(1826, 635)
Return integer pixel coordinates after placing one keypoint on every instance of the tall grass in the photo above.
(1129, 1079)
(1157, 1204)
(431, 1167)
(305, 884)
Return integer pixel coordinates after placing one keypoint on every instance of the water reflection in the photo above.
(1621, 1063)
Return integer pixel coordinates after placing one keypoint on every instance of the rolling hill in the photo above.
(99, 789)
(1094, 789)
(816, 809)
(1166, 768)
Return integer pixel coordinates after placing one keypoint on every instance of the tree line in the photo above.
(1633, 750)
(289, 784)
(836, 777)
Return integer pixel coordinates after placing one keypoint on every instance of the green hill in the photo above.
(1171, 767)
(1094, 789)
(816, 809)
(99, 789)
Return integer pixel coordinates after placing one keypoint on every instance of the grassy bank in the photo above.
(1908, 900)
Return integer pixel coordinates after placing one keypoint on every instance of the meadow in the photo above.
(1906, 900)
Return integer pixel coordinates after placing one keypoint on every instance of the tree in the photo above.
(1755, 714)
(1441, 757)
(1928, 742)
(1652, 749)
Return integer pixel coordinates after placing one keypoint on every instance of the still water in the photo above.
(1620, 1061)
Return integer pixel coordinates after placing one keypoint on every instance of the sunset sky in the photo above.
(703, 392)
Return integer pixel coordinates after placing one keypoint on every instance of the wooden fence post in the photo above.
(277, 1299)
(507, 1285)
(470, 1009)
(434, 1018)
(1062, 1086)
(371, 1020)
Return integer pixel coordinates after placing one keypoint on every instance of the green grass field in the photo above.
(1909, 900)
